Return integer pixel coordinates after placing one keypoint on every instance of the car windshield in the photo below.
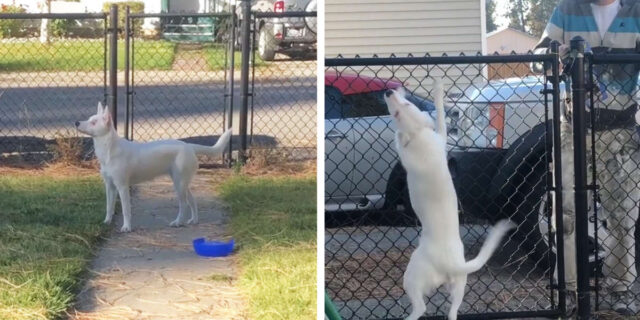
(367, 104)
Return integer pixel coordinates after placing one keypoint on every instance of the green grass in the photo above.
(149, 55)
(81, 55)
(274, 223)
(48, 227)
(215, 55)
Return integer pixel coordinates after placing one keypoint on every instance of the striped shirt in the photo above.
(573, 18)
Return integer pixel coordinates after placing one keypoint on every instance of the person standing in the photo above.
(608, 26)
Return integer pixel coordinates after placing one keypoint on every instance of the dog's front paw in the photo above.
(175, 223)
(193, 221)
(107, 221)
(125, 228)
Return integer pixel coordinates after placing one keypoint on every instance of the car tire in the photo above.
(397, 193)
(266, 44)
(526, 201)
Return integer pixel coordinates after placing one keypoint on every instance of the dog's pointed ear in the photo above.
(100, 108)
(106, 115)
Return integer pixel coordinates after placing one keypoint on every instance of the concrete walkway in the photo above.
(152, 272)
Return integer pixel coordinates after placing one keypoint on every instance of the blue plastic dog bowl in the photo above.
(212, 248)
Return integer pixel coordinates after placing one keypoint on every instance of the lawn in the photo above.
(84, 55)
(215, 55)
(274, 223)
(48, 228)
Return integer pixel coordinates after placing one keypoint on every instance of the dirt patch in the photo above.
(88, 168)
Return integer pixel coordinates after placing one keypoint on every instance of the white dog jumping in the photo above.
(439, 257)
(124, 163)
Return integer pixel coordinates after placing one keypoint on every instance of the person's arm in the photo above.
(553, 31)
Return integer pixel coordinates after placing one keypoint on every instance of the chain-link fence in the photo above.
(499, 155)
(178, 76)
(175, 77)
(48, 80)
(613, 158)
(283, 104)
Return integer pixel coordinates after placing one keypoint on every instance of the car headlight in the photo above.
(481, 126)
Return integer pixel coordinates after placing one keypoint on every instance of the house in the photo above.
(384, 27)
(173, 28)
(507, 41)
(150, 6)
(417, 27)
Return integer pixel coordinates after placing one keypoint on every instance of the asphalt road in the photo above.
(167, 104)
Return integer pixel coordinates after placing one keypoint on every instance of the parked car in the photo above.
(295, 37)
(496, 153)
(358, 141)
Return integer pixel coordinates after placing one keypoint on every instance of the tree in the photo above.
(490, 11)
(517, 13)
(539, 14)
(44, 25)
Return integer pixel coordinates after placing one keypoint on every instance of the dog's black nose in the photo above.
(388, 93)
(77, 123)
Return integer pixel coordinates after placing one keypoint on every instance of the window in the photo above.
(370, 104)
(334, 103)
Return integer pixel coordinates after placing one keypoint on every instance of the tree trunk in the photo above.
(44, 25)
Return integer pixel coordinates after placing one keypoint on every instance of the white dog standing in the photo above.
(124, 163)
(439, 257)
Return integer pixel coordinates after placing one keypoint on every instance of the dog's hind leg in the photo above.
(194, 208)
(414, 283)
(456, 291)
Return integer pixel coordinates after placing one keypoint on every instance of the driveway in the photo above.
(364, 268)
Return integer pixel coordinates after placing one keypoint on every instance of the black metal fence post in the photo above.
(127, 31)
(113, 67)
(232, 52)
(580, 185)
(244, 77)
(557, 163)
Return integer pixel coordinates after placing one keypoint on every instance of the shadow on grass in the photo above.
(49, 228)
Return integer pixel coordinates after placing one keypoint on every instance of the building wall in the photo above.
(383, 27)
(509, 40)
(402, 27)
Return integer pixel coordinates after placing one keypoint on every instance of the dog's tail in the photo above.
(490, 244)
(441, 126)
(218, 148)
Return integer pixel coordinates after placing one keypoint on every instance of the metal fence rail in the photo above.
(500, 152)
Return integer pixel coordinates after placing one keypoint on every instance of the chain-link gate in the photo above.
(604, 140)
(53, 72)
(179, 77)
(500, 156)
(283, 82)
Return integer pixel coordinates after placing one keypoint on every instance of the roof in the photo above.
(492, 33)
(354, 84)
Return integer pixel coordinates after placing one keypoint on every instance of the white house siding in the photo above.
(402, 27)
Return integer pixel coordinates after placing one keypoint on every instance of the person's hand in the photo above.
(563, 51)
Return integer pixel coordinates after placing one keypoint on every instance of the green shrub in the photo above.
(134, 7)
(60, 27)
(10, 27)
